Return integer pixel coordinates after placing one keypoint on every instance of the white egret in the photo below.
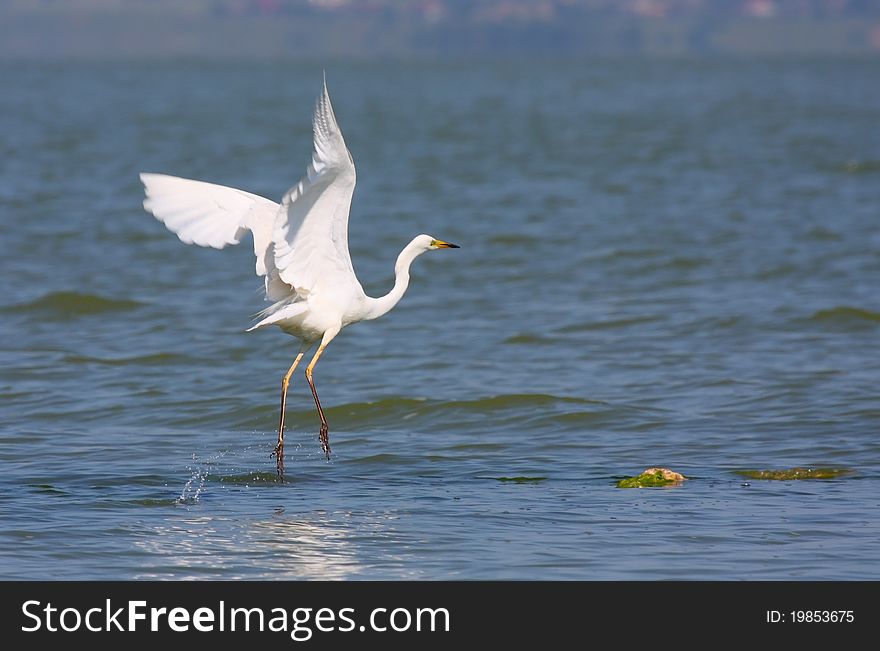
(301, 247)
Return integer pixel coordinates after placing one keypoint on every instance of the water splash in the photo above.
(193, 488)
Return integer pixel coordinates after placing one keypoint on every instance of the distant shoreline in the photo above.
(60, 34)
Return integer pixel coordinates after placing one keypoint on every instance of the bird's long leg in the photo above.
(324, 434)
(285, 382)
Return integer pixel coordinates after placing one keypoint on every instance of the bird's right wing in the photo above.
(311, 230)
(216, 216)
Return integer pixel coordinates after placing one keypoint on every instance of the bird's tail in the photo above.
(276, 312)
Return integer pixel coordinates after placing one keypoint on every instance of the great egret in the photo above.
(301, 247)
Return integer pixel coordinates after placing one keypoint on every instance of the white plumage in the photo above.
(301, 245)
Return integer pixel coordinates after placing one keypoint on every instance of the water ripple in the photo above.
(64, 305)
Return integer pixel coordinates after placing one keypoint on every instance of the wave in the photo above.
(400, 409)
(155, 359)
(253, 478)
(845, 315)
(608, 324)
(408, 412)
(676, 263)
(861, 166)
(529, 339)
(72, 304)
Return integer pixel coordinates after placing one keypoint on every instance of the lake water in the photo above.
(663, 263)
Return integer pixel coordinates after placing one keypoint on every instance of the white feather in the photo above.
(311, 229)
(212, 215)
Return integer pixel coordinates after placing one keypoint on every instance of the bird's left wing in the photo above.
(311, 230)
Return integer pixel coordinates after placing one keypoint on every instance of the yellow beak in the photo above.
(440, 244)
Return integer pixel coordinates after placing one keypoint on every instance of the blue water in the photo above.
(663, 264)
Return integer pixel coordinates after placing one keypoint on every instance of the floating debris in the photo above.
(795, 473)
(652, 477)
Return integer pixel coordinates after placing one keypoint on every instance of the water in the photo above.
(667, 263)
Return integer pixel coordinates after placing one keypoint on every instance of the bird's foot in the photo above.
(278, 453)
(325, 441)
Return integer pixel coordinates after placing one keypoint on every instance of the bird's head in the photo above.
(429, 243)
(420, 244)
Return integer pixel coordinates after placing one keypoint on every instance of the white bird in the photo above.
(301, 247)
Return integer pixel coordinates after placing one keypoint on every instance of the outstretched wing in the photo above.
(311, 230)
(216, 216)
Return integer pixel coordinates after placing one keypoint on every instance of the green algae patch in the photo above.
(521, 480)
(652, 478)
(795, 473)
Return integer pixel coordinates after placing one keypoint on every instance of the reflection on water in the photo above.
(315, 545)
(288, 548)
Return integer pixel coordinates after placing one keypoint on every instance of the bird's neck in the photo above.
(376, 307)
